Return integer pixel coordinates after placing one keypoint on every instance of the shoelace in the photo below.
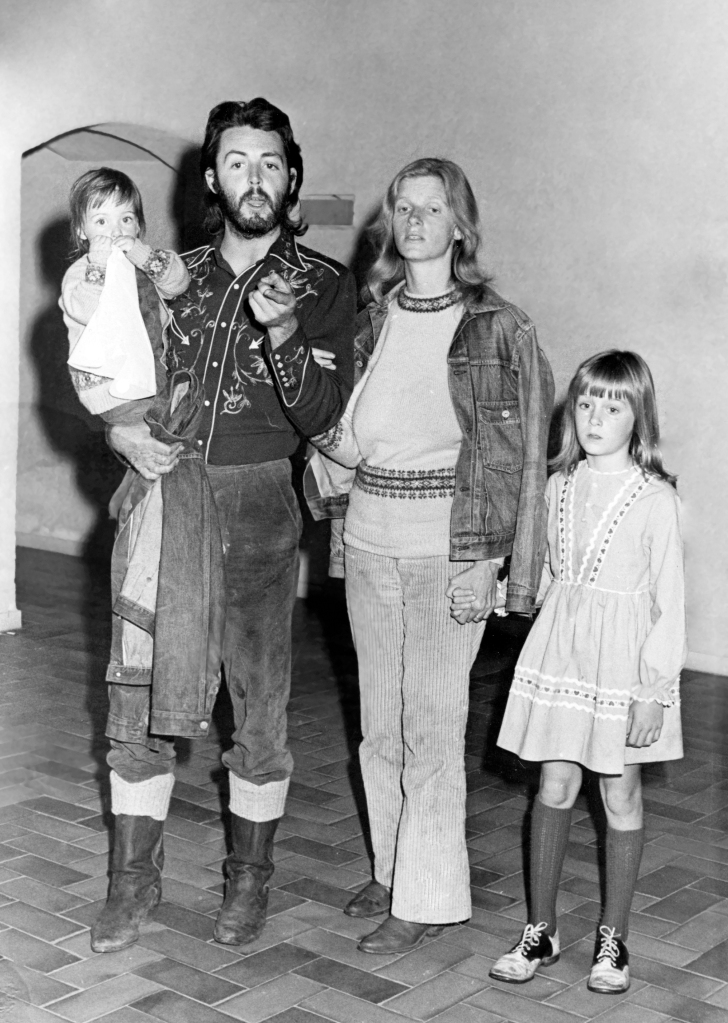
(531, 937)
(610, 948)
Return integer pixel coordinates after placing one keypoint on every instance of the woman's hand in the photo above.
(150, 457)
(644, 723)
(274, 307)
(473, 593)
(323, 358)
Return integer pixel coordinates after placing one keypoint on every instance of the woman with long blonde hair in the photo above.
(445, 437)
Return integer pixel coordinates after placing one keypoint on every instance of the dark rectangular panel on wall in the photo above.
(328, 210)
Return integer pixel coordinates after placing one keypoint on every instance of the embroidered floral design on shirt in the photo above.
(405, 483)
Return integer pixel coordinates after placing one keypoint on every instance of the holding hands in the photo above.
(473, 593)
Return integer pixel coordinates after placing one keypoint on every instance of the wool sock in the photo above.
(149, 798)
(549, 837)
(624, 853)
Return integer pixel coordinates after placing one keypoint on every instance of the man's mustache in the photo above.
(254, 193)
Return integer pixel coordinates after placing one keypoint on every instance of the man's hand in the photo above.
(151, 458)
(274, 306)
(99, 249)
(473, 593)
(644, 723)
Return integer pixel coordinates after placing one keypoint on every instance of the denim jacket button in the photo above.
(118, 674)
(203, 725)
(505, 414)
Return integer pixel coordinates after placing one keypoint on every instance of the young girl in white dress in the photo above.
(596, 684)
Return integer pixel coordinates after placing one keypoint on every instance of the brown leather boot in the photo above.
(137, 858)
(248, 867)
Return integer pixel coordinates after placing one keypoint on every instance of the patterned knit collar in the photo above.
(416, 304)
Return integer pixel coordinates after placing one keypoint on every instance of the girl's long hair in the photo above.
(625, 376)
(388, 268)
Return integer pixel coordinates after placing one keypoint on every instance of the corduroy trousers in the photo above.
(414, 668)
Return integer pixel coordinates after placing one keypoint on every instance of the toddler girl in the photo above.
(596, 684)
(116, 345)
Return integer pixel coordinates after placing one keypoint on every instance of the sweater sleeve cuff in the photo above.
(95, 274)
(139, 253)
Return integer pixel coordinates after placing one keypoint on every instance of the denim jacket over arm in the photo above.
(502, 392)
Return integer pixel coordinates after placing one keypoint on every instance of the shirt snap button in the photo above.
(214, 365)
(505, 413)
(236, 287)
(200, 443)
(207, 402)
(223, 324)
(203, 725)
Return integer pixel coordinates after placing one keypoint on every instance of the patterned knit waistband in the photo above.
(405, 483)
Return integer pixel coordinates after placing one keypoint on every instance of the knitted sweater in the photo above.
(161, 275)
(409, 439)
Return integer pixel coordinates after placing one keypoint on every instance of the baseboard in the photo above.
(10, 620)
(711, 664)
(50, 543)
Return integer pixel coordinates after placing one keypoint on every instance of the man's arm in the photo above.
(313, 398)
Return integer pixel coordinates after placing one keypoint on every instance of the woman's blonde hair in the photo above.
(624, 376)
(388, 268)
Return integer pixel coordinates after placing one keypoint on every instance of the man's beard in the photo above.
(254, 225)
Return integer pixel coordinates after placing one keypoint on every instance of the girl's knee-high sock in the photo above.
(549, 838)
(624, 853)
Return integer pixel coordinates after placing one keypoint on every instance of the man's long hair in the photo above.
(388, 268)
(626, 377)
(260, 114)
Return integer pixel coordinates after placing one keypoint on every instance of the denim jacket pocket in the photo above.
(500, 433)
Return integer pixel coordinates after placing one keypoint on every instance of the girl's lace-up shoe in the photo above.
(610, 969)
(536, 948)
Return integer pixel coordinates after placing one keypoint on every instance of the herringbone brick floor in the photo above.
(53, 854)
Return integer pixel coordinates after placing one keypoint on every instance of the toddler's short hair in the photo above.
(92, 189)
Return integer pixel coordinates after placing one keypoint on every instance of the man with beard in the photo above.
(267, 326)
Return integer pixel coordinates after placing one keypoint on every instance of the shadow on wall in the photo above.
(70, 432)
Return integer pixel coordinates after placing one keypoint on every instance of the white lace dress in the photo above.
(611, 628)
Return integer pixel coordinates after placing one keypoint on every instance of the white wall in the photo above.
(594, 134)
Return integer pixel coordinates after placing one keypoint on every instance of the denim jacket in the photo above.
(502, 392)
(167, 574)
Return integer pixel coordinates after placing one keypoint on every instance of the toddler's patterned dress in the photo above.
(611, 628)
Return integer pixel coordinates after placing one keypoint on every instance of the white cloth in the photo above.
(115, 343)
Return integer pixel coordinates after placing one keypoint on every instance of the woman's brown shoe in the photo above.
(376, 898)
(395, 935)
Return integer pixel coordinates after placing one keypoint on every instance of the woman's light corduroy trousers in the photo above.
(414, 667)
